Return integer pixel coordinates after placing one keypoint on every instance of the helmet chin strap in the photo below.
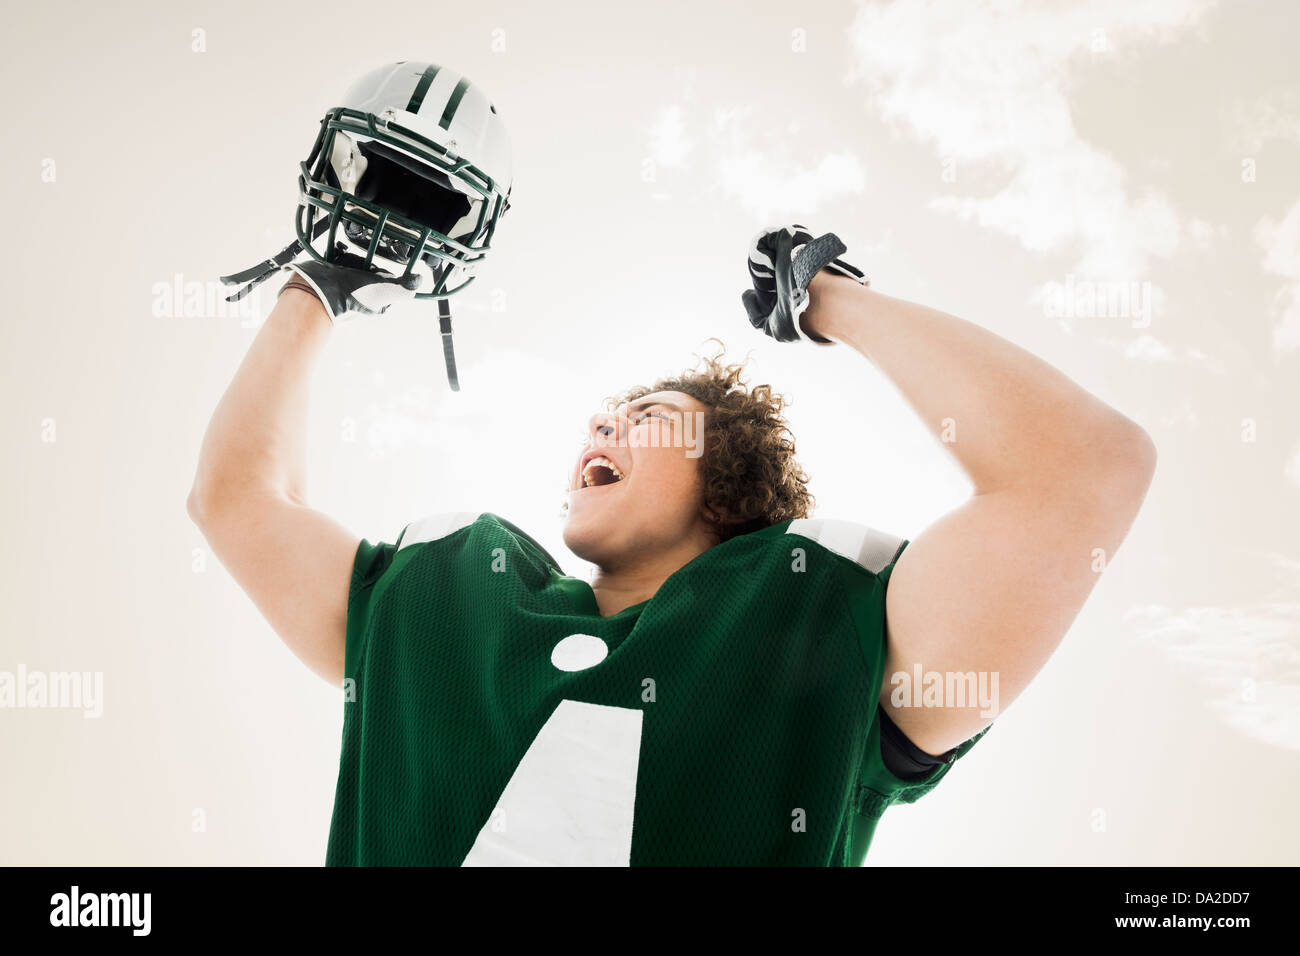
(256, 275)
(432, 276)
(444, 322)
(259, 273)
(444, 325)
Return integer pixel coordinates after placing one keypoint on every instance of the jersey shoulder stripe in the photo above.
(435, 526)
(872, 549)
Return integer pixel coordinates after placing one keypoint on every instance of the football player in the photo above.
(732, 685)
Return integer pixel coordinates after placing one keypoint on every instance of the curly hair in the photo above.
(751, 478)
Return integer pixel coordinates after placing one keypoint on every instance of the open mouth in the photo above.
(600, 471)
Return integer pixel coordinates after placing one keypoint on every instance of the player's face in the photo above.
(642, 497)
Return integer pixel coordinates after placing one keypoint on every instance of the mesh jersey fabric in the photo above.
(492, 716)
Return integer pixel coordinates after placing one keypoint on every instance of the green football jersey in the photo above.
(493, 717)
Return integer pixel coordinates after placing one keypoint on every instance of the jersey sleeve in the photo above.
(895, 770)
(368, 566)
(374, 560)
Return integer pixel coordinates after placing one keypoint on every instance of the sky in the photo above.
(1114, 186)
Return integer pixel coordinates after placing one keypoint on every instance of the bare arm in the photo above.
(994, 585)
(249, 499)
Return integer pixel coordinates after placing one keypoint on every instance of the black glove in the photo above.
(346, 286)
(782, 262)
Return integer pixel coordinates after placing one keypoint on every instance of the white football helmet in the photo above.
(412, 173)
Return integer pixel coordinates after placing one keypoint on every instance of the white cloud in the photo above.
(669, 145)
(1292, 467)
(1275, 117)
(760, 168)
(1281, 245)
(988, 81)
(1286, 334)
(1147, 348)
(1247, 658)
(769, 177)
(774, 187)
(1203, 233)
(1197, 357)
(1184, 414)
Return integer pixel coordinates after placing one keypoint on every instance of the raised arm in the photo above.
(994, 585)
(249, 496)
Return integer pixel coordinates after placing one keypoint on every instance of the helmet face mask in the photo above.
(385, 192)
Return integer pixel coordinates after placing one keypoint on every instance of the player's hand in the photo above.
(782, 263)
(346, 287)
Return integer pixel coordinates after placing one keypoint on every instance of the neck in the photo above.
(620, 586)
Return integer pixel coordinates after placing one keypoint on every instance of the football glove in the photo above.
(347, 288)
(782, 262)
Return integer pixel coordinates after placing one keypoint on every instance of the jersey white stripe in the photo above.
(570, 801)
(869, 547)
(436, 526)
